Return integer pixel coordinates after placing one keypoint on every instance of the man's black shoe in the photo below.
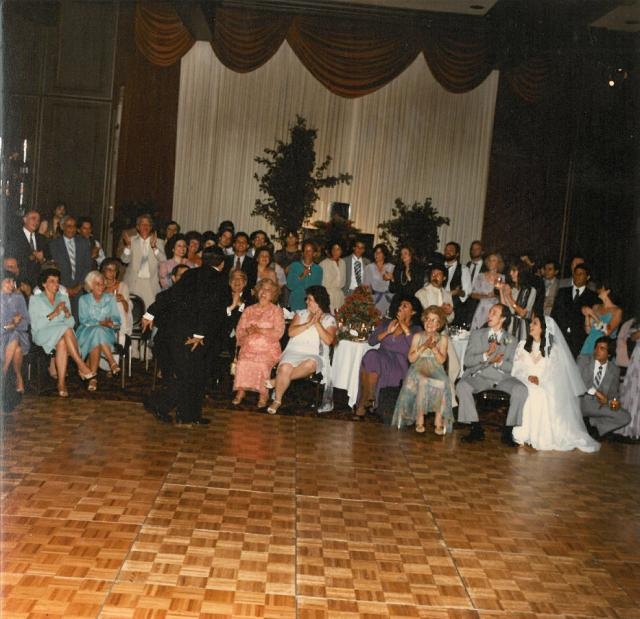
(475, 435)
(507, 437)
(201, 421)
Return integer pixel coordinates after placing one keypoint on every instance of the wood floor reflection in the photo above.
(108, 513)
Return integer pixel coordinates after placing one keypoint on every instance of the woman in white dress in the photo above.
(312, 333)
(378, 275)
(551, 418)
(334, 275)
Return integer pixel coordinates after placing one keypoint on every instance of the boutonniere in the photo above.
(506, 340)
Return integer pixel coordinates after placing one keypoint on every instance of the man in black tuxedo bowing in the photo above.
(241, 260)
(567, 308)
(195, 309)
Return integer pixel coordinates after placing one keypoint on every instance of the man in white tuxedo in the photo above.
(142, 254)
(602, 377)
(488, 361)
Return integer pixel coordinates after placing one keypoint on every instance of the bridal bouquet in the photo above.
(358, 316)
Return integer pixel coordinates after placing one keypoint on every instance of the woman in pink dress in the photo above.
(258, 335)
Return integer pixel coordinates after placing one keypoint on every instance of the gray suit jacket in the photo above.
(84, 263)
(473, 358)
(610, 384)
(348, 264)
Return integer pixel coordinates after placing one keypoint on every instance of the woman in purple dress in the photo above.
(15, 328)
(387, 365)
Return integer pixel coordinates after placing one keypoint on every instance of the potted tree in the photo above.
(292, 179)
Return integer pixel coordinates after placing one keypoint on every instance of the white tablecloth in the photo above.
(345, 368)
(460, 346)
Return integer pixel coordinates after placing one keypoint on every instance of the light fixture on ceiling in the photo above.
(617, 77)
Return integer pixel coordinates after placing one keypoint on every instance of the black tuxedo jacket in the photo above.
(19, 248)
(567, 312)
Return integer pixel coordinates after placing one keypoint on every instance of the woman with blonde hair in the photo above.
(258, 336)
(99, 320)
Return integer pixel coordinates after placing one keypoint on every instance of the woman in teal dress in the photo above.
(426, 387)
(601, 319)
(52, 328)
(99, 321)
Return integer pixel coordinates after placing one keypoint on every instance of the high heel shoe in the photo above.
(274, 406)
(62, 391)
(115, 369)
(89, 376)
(93, 385)
(238, 399)
(440, 430)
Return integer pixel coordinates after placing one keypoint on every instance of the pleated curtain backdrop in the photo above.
(410, 139)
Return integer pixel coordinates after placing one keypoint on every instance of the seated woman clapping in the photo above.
(258, 335)
(426, 387)
(311, 333)
(387, 365)
(52, 328)
(99, 321)
(15, 328)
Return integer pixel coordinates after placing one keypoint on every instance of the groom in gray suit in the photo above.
(488, 361)
(602, 378)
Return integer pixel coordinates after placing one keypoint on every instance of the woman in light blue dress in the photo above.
(99, 321)
(14, 336)
(601, 319)
(52, 328)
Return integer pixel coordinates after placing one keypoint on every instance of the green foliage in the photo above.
(292, 180)
(336, 229)
(414, 225)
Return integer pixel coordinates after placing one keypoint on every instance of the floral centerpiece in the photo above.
(358, 316)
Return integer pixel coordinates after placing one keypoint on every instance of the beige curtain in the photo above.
(411, 139)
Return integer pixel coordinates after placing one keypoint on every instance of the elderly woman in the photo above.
(311, 334)
(378, 275)
(52, 328)
(15, 328)
(334, 274)
(99, 319)
(258, 336)
(426, 387)
(110, 268)
(387, 365)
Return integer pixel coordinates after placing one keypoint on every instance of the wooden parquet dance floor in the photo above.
(108, 513)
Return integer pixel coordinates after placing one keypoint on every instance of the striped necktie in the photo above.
(71, 250)
(598, 378)
(357, 267)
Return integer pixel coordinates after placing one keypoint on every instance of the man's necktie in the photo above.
(238, 265)
(71, 250)
(598, 378)
(33, 242)
(576, 292)
(473, 271)
(357, 267)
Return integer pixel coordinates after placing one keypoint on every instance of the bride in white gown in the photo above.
(551, 418)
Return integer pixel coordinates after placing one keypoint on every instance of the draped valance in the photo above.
(349, 57)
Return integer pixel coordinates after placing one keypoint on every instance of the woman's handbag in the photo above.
(234, 364)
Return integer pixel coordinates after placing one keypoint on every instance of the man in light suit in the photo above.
(354, 267)
(603, 380)
(142, 254)
(72, 254)
(488, 361)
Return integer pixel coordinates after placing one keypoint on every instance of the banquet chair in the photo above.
(137, 334)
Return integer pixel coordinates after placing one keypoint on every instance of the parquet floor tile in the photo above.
(64, 548)
(219, 509)
(360, 484)
(31, 596)
(212, 560)
(108, 513)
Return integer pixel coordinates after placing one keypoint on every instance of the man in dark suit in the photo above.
(72, 254)
(195, 309)
(488, 361)
(29, 247)
(602, 377)
(567, 308)
(241, 260)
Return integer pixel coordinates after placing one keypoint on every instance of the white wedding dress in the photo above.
(551, 418)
